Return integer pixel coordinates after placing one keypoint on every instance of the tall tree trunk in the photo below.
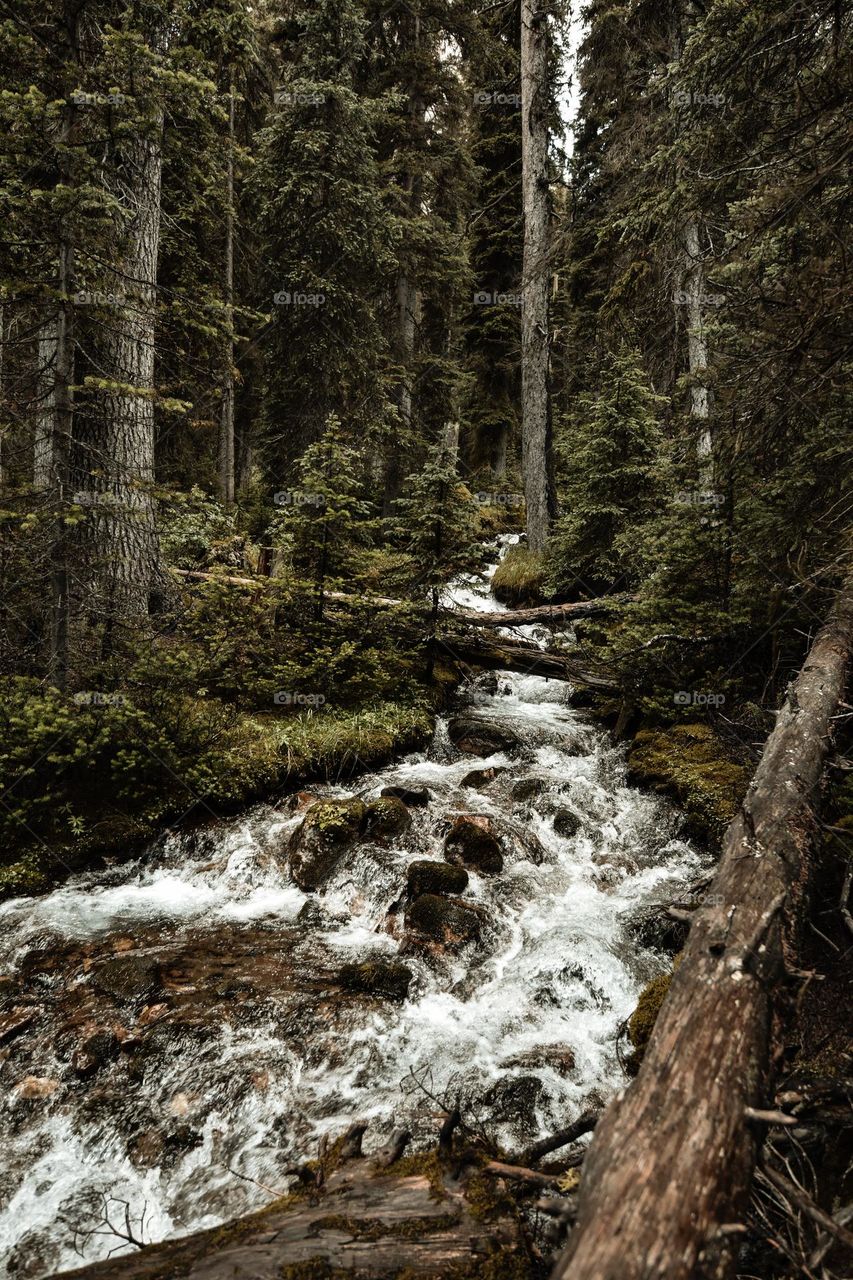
(693, 297)
(226, 420)
(45, 434)
(672, 1158)
(119, 442)
(535, 406)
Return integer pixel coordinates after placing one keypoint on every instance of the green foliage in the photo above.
(609, 458)
(190, 525)
(520, 577)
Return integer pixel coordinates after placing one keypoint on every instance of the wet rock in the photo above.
(447, 921)
(376, 978)
(319, 842)
(476, 736)
(312, 915)
(527, 789)
(94, 1052)
(128, 978)
(385, 818)
(427, 876)
(559, 1057)
(488, 683)
(146, 1149)
(300, 801)
(566, 823)
(479, 778)
(413, 797)
(16, 1021)
(32, 1087)
(654, 929)
(471, 842)
(513, 1101)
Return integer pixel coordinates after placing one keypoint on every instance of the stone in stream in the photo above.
(129, 978)
(376, 978)
(319, 842)
(428, 876)
(513, 1101)
(566, 823)
(94, 1052)
(527, 789)
(385, 818)
(476, 736)
(471, 842)
(414, 797)
(479, 778)
(445, 921)
(18, 1019)
(559, 1057)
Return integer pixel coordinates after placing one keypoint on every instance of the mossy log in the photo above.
(414, 1220)
(515, 655)
(670, 1165)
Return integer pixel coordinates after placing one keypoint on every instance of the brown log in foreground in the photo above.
(671, 1162)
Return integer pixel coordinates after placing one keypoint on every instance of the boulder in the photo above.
(129, 978)
(479, 778)
(471, 842)
(413, 797)
(527, 789)
(566, 823)
(559, 1057)
(385, 818)
(319, 842)
(94, 1052)
(476, 736)
(376, 978)
(446, 921)
(428, 876)
(513, 1100)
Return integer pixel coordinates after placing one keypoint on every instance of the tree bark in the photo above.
(226, 419)
(672, 1159)
(45, 433)
(535, 340)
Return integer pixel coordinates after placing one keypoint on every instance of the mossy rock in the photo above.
(376, 978)
(472, 843)
(642, 1021)
(318, 843)
(688, 763)
(566, 823)
(427, 876)
(23, 878)
(336, 820)
(477, 736)
(447, 921)
(519, 577)
(385, 818)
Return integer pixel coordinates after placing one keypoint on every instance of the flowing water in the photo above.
(227, 1046)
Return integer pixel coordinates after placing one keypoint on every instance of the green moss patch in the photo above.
(689, 763)
(519, 577)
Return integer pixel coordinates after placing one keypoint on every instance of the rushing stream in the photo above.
(223, 1046)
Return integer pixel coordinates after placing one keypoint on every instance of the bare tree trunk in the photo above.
(226, 420)
(535, 406)
(694, 299)
(671, 1161)
(119, 440)
(45, 433)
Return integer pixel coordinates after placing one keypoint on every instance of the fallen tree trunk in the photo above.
(516, 655)
(670, 1165)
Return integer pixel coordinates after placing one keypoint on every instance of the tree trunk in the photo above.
(671, 1161)
(45, 434)
(535, 406)
(693, 298)
(226, 420)
(119, 444)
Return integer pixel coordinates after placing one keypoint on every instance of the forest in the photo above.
(426, 614)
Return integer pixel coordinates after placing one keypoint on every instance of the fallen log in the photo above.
(671, 1161)
(529, 659)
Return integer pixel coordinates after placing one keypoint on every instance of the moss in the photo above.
(507, 518)
(424, 1164)
(377, 1228)
(443, 919)
(689, 764)
(336, 820)
(22, 878)
(376, 977)
(386, 817)
(518, 578)
(643, 1019)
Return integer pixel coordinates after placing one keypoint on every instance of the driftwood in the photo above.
(672, 1159)
(516, 655)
